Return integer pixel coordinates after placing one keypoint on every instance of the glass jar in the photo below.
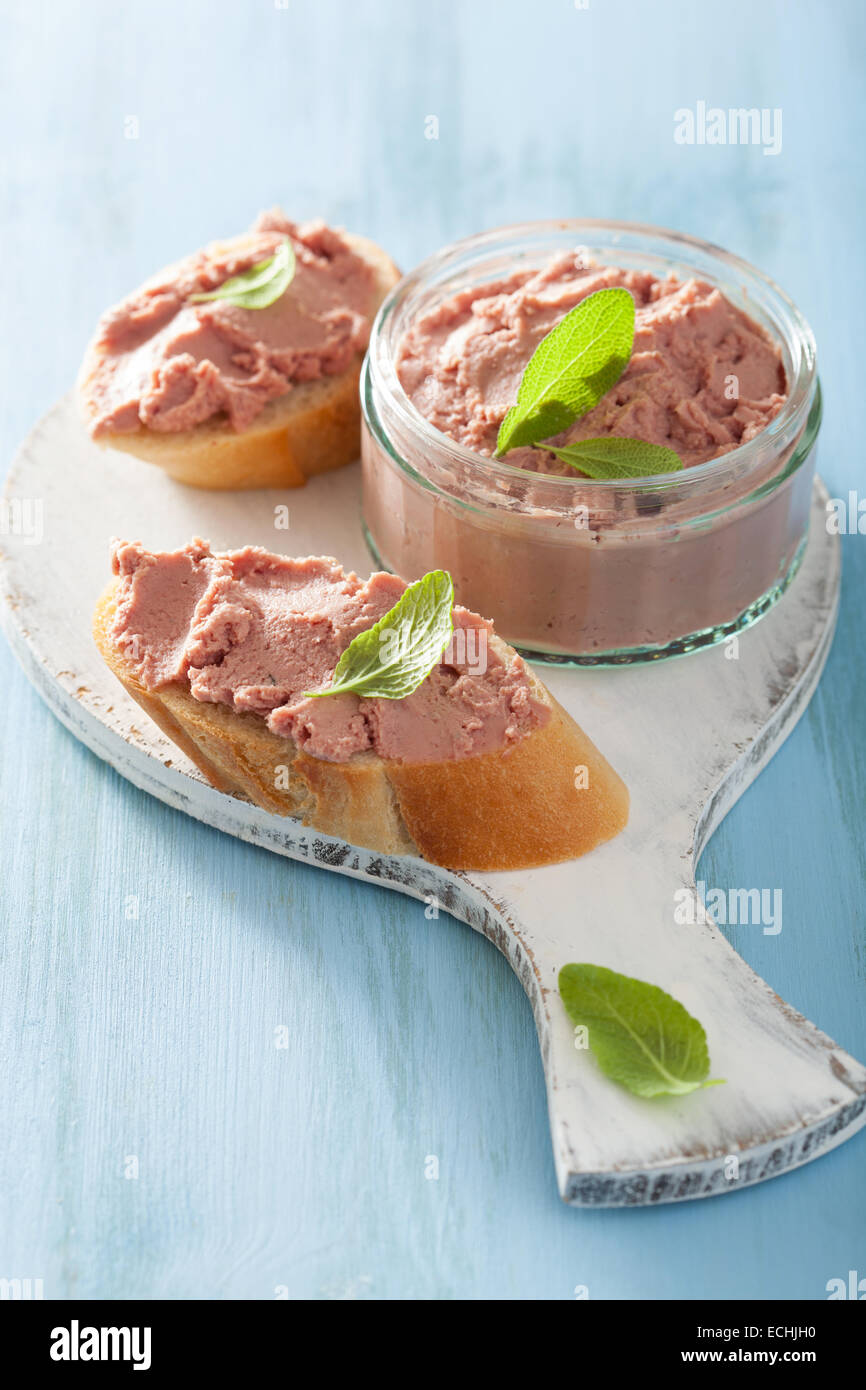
(575, 570)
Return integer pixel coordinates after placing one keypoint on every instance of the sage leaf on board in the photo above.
(640, 1035)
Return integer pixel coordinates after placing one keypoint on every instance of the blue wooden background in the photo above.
(302, 1168)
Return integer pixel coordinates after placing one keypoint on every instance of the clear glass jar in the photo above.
(574, 570)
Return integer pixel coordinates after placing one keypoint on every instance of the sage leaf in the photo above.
(574, 365)
(261, 285)
(391, 659)
(613, 457)
(640, 1036)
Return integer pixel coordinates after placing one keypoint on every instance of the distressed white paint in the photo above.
(688, 736)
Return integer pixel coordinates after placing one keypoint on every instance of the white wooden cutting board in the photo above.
(688, 736)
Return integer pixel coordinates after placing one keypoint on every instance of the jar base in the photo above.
(629, 656)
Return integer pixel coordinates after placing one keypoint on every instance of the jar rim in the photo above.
(797, 342)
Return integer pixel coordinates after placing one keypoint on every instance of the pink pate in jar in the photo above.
(570, 569)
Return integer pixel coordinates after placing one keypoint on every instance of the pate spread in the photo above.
(167, 364)
(255, 631)
(703, 378)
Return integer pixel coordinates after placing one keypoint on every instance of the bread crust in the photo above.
(497, 811)
(313, 428)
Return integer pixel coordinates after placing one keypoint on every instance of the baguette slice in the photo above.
(492, 811)
(314, 427)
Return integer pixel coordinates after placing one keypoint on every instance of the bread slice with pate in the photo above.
(233, 656)
(226, 396)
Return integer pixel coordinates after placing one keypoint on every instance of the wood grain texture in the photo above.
(304, 1167)
(790, 1093)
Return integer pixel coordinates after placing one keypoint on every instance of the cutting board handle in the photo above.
(790, 1093)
